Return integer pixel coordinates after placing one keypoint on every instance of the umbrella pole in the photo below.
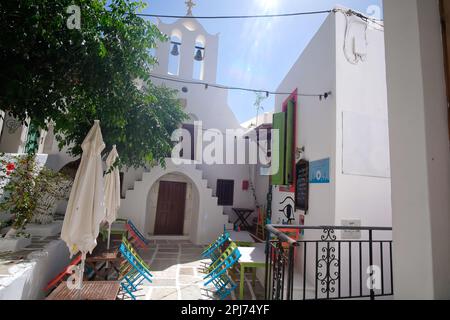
(109, 241)
(109, 236)
(81, 274)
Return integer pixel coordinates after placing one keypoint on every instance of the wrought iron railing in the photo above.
(324, 265)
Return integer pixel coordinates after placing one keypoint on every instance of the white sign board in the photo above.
(365, 148)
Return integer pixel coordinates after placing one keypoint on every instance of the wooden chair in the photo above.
(261, 226)
(135, 274)
(224, 286)
(226, 261)
(63, 274)
(136, 236)
(214, 250)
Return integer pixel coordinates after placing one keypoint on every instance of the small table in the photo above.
(243, 215)
(112, 259)
(90, 290)
(251, 257)
(242, 238)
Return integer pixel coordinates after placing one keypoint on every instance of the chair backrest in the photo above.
(56, 280)
(137, 232)
(220, 240)
(216, 244)
(222, 267)
(230, 251)
(135, 263)
(133, 251)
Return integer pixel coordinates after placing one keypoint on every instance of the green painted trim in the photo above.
(279, 123)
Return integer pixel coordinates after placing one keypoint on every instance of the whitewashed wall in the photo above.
(359, 88)
(420, 149)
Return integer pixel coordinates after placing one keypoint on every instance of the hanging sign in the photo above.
(319, 171)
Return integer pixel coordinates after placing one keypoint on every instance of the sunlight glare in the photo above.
(268, 4)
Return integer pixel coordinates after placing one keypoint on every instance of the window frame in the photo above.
(220, 192)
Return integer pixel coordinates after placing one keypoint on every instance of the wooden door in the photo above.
(170, 208)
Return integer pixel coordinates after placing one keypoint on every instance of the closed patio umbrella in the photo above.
(112, 190)
(86, 207)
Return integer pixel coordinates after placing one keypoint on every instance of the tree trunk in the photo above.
(11, 233)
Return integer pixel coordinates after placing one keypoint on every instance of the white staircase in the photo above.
(206, 224)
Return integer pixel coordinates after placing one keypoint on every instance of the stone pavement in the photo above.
(177, 267)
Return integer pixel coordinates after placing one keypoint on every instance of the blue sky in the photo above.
(257, 53)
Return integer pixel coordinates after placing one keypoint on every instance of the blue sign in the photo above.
(319, 171)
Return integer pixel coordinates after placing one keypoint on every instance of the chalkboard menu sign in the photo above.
(302, 185)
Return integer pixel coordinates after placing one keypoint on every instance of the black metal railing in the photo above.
(322, 265)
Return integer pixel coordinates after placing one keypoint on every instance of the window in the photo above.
(225, 192)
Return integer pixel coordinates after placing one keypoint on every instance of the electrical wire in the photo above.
(238, 16)
(280, 15)
(321, 96)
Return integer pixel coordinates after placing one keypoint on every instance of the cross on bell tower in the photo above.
(190, 4)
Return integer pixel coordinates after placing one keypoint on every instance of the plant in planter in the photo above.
(24, 183)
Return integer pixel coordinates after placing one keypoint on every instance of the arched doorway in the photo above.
(172, 206)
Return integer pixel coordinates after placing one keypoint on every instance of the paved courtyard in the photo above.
(177, 267)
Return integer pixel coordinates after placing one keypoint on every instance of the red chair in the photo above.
(135, 238)
(59, 278)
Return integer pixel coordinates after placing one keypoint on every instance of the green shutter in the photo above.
(290, 132)
(32, 144)
(279, 148)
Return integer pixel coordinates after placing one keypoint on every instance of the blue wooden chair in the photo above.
(227, 261)
(214, 249)
(224, 286)
(135, 275)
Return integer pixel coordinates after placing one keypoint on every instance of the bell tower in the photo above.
(191, 52)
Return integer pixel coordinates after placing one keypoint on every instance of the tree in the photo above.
(71, 77)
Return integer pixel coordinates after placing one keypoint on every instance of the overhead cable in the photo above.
(321, 96)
